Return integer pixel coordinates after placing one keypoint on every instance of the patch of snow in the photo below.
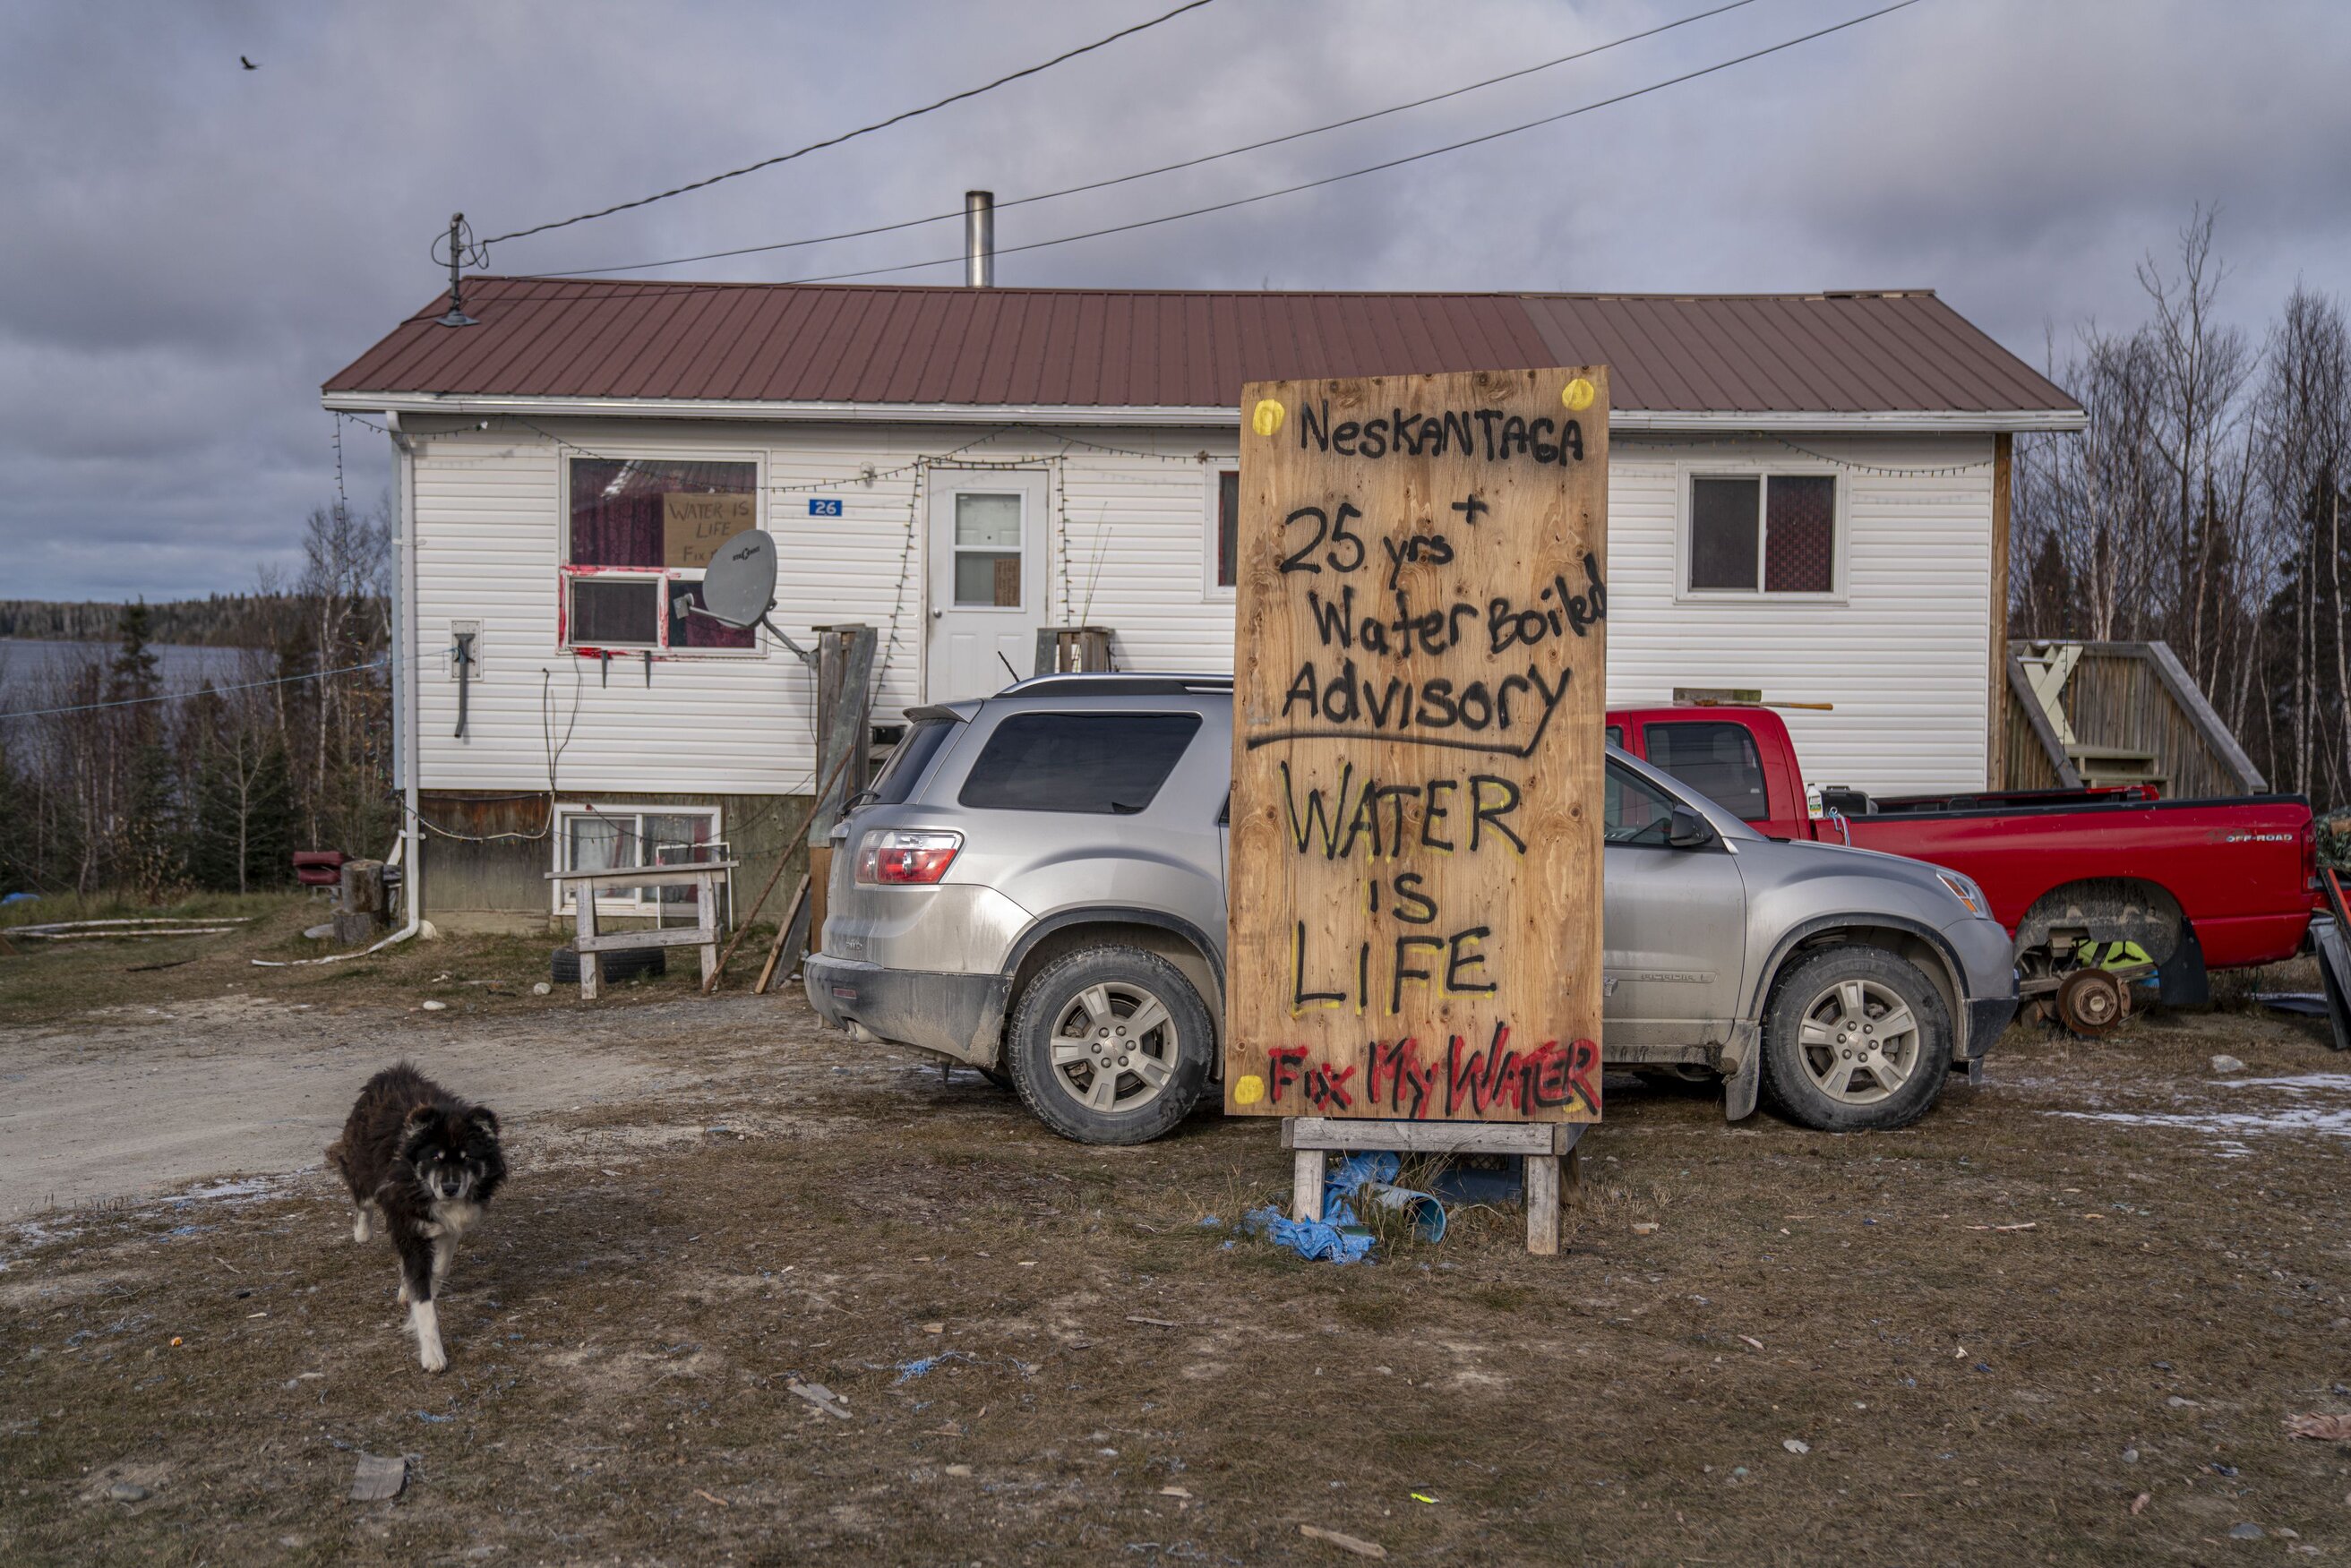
(248, 1188)
(2232, 1126)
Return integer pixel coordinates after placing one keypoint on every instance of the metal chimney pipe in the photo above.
(979, 239)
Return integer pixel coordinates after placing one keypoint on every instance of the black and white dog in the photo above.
(420, 1163)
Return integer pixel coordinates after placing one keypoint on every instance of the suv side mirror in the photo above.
(1686, 830)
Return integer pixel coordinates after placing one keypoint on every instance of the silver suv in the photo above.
(1035, 887)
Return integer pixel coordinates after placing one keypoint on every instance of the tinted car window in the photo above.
(1718, 761)
(908, 758)
(1637, 810)
(1107, 764)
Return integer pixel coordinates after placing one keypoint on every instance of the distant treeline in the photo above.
(215, 621)
(2206, 505)
(112, 779)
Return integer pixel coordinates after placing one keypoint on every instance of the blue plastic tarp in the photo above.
(1339, 1237)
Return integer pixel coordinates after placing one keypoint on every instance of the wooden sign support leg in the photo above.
(1542, 1205)
(1545, 1146)
(1306, 1189)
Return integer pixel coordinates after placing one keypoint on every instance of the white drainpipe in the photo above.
(407, 676)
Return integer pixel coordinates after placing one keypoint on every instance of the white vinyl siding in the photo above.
(1903, 653)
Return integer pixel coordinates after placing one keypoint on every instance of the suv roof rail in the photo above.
(1109, 683)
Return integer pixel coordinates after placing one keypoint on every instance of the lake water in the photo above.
(27, 667)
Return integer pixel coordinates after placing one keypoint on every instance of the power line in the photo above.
(652, 286)
(1389, 163)
(861, 131)
(1171, 168)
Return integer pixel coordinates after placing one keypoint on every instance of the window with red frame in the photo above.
(623, 586)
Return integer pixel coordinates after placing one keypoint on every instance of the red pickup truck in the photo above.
(2194, 885)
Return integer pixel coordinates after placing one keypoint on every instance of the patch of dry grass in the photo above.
(622, 1333)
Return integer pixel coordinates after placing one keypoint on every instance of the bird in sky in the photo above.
(249, 65)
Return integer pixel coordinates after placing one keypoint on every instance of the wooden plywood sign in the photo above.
(1417, 751)
(695, 525)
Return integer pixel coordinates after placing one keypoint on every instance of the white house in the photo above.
(1807, 495)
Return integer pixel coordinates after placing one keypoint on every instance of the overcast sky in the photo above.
(191, 247)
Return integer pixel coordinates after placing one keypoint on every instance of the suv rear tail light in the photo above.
(2310, 861)
(900, 857)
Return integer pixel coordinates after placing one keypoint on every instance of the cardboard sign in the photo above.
(694, 525)
(1417, 748)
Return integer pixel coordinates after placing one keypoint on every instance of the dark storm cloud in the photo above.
(191, 247)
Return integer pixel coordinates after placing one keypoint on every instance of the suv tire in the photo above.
(1080, 1065)
(1831, 1059)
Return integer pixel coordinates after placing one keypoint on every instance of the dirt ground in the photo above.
(2062, 1320)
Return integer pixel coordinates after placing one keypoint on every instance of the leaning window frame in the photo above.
(1687, 471)
(1211, 526)
(569, 812)
(565, 572)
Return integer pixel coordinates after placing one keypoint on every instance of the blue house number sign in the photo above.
(825, 505)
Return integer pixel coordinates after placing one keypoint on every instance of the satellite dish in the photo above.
(740, 584)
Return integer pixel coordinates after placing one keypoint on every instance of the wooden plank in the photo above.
(2028, 706)
(591, 968)
(1338, 1134)
(706, 902)
(1542, 1205)
(844, 721)
(794, 920)
(1306, 1169)
(1418, 747)
(657, 936)
(2196, 711)
(643, 875)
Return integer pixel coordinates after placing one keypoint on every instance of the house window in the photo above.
(1762, 533)
(1229, 529)
(641, 530)
(614, 838)
(987, 534)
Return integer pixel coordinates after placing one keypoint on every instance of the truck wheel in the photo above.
(1856, 1039)
(1110, 1045)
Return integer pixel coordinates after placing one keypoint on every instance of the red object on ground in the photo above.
(320, 868)
(2242, 869)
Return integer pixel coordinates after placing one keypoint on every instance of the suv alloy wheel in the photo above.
(1856, 1038)
(1110, 1045)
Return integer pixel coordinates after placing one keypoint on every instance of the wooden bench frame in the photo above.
(704, 876)
(1553, 1150)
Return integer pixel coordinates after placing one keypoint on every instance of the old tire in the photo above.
(1082, 1062)
(1856, 1039)
(621, 964)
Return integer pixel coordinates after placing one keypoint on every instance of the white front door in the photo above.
(988, 580)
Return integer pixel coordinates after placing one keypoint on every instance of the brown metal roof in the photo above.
(1905, 352)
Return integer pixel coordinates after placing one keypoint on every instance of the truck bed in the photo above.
(2242, 869)
(2234, 865)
